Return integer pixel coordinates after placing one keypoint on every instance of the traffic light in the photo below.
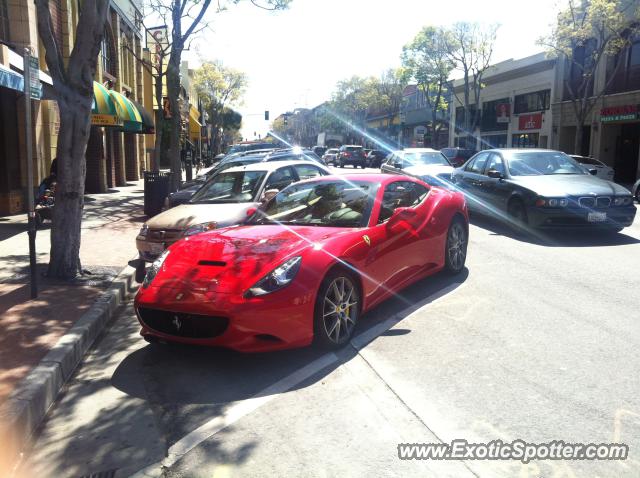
(266, 115)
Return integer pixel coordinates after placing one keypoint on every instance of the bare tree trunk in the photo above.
(157, 153)
(75, 114)
(577, 145)
(173, 91)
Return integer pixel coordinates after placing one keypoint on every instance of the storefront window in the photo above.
(493, 141)
(525, 140)
(536, 101)
(490, 116)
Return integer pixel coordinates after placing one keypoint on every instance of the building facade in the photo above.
(611, 132)
(415, 117)
(515, 106)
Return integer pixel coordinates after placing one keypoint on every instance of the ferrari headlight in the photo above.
(153, 270)
(622, 200)
(280, 277)
(143, 230)
(198, 228)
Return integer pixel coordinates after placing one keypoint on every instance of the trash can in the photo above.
(156, 189)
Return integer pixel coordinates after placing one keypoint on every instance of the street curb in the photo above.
(25, 409)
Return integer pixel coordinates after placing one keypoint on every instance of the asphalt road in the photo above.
(536, 340)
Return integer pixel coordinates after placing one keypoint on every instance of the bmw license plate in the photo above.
(597, 217)
(156, 247)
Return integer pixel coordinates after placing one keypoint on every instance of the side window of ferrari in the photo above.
(397, 194)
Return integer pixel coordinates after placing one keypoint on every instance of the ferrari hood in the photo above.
(570, 185)
(185, 215)
(233, 259)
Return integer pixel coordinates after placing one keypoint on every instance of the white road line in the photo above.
(240, 409)
(243, 408)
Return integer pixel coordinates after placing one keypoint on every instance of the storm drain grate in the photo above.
(101, 474)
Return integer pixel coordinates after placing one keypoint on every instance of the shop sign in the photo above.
(620, 113)
(528, 122)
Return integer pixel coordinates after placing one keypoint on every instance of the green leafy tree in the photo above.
(427, 62)
(219, 87)
(586, 34)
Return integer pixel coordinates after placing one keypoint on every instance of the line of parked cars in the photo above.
(280, 253)
(526, 187)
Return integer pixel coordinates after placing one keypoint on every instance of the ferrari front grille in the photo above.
(183, 325)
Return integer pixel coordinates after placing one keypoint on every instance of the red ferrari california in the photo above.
(305, 266)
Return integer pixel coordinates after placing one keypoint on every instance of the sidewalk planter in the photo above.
(156, 189)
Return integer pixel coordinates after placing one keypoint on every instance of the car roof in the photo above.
(420, 150)
(521, 150)
(381, 178)
(289, 152)
(271, 166)
(351, 146)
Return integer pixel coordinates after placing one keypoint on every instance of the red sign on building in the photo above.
(527, 122)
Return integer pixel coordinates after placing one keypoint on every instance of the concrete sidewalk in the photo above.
(31, 330)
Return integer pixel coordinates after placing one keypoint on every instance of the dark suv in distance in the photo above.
(457, 156)
(375, 158)
(351, 154)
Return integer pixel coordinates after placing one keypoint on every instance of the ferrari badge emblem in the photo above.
(367, 240)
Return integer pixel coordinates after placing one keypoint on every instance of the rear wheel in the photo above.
(456, 247)
(337, 310)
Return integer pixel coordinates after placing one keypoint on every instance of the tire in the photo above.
(455, 253)
(341, 164)
(518, 212)
(338, 306)
(141, 271)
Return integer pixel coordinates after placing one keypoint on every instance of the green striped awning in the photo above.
(105, 111)
(131, 119)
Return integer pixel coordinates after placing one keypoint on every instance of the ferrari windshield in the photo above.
(321, 203)
(425, 159)
(537, 163)
(237, 186)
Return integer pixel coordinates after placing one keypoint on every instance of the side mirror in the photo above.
(593, 172)
(495, 174)
(269, 194)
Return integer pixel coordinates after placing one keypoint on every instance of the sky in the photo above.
(294, 58)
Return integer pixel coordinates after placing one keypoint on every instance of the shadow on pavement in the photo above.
(8, 230)
(186, 386)
(554, 238)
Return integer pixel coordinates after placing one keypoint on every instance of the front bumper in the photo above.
(281, 320)
(150, 250)
(616, 217)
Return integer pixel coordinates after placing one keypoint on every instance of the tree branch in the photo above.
(203, 10)
(53, 56)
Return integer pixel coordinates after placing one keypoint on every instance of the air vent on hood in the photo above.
(212, 263)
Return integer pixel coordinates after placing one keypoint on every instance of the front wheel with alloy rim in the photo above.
(456, 247)
(337, 310)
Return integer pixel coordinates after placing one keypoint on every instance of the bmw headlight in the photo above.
(280, 277)
(552, 202)
(198, 228)
(143, 230)
(153, 270)
(622, 200)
